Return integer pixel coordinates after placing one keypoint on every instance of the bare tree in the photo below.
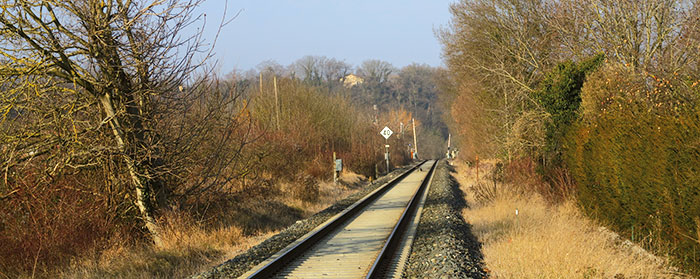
(505, 47)
(647, 35)
(271, 67)
(101, 71)
(416, 85)
(309, 69)
(498, 52)
(334, 71)
(318, 70)
(375, 70)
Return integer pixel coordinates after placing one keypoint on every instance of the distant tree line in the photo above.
(413, 88)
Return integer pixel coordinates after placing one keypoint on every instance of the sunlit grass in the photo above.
(550, 241)
(189, 248)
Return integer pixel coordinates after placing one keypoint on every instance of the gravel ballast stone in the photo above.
(444, 246)
(249, 259)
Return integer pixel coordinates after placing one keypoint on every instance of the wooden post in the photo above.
(376, 170)
(261, 90)
(335, 172)
(449, 138)
(386, 154)
(415, 142)
(277, 110)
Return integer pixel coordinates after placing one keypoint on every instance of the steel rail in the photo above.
(392, 243)
(289, 253)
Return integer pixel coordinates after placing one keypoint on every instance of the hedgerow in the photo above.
(635, 155)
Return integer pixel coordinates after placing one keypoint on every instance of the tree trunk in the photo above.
(144, 192)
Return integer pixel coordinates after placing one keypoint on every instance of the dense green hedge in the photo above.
(559, 95)
(635, 155)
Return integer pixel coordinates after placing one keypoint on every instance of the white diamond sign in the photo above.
(386, 132)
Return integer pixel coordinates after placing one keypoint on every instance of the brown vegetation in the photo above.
(112, 138)
(191, 246)
(546, 239)
(595, 93)
(122, 155)
(271, 181)
(644, 148)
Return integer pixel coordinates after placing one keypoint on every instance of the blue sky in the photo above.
(399, 32)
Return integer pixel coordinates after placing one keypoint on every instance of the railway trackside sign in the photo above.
(338, 164)
(386, 132)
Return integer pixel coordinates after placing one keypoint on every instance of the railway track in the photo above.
(370, 239)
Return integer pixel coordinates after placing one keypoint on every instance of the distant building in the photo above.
(352, 80)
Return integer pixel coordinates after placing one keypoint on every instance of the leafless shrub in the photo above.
(485, 191)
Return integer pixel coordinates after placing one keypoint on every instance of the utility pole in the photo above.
(376, 115)
(277, 110)
(449, 138)
(261, 90)
(415, 142)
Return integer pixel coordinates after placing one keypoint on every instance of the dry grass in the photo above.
(328, 193)
(549, 241)
(189, 248)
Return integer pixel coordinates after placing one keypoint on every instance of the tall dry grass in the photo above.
(191, 245)
(187, 248)
(547, 239)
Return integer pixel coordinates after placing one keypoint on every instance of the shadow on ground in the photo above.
(444, 244)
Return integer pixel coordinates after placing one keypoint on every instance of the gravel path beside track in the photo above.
(245, 261)
(444, 246)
